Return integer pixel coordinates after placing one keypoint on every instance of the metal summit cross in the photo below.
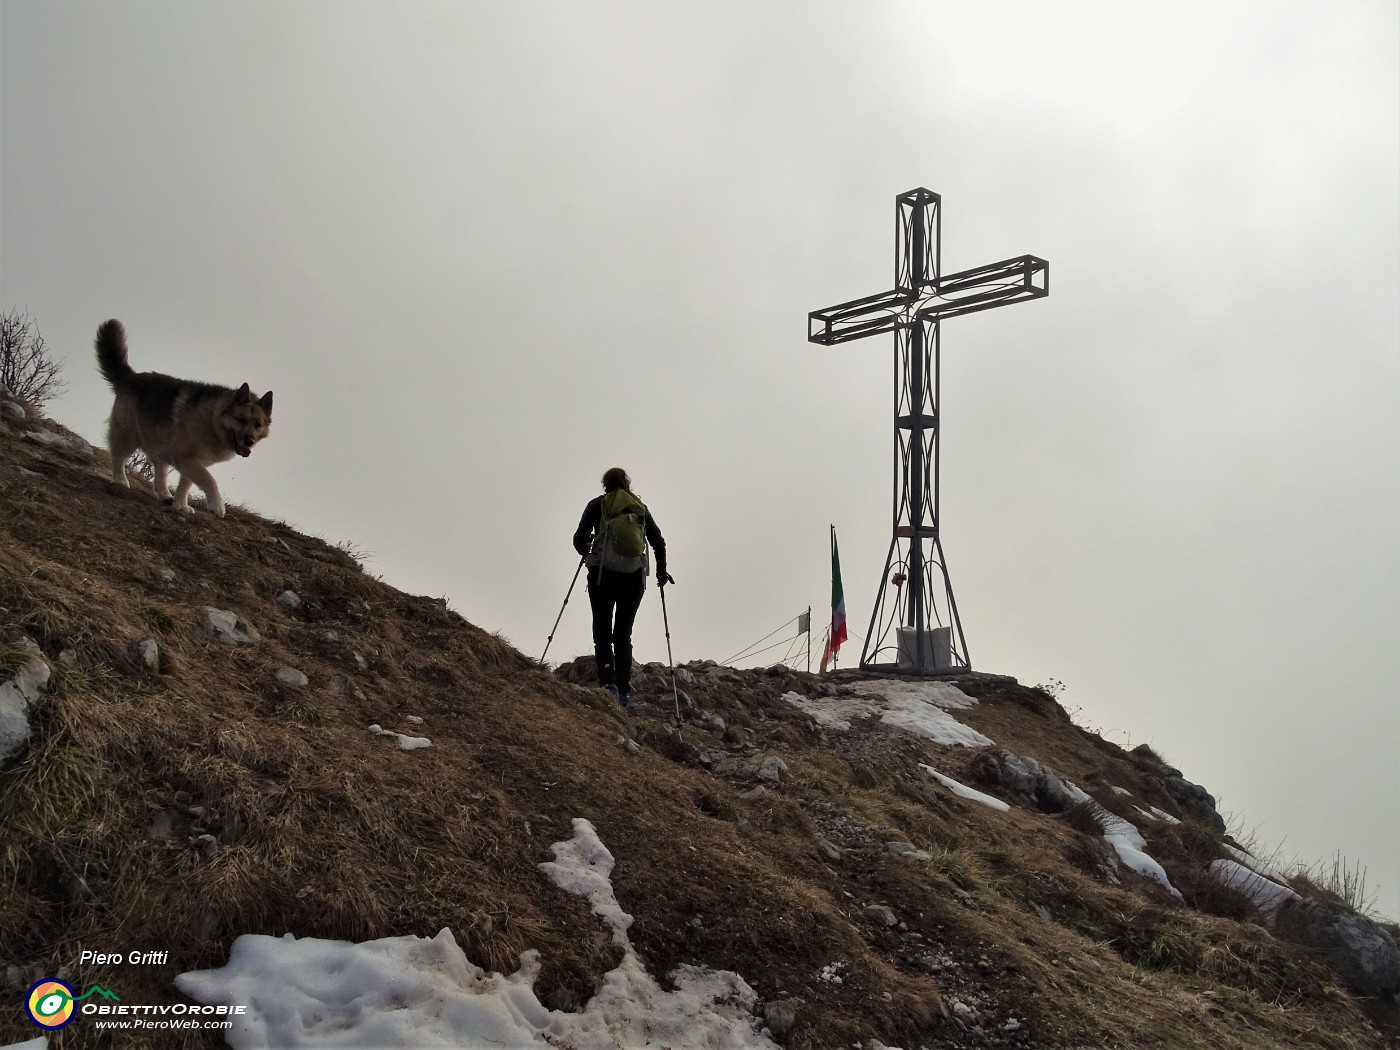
(929, 636)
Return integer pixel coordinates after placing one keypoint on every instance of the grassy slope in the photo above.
(326, 830)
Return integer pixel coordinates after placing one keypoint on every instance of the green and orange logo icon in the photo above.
(50, 1003)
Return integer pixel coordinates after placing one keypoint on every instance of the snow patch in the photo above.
(583, 866)
(1157, 814)
(965, 792)
(836, 712)
(920, 708)
(1131, 848)
(408, 743)
(1266, 868)
(943, 694)
(1267, 895)
(423, 992)
(18, 695)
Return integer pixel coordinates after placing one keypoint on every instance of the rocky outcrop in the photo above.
(1194, 800)
(1024, 776)
(11, 407)
(1359, 950)
(226, 627)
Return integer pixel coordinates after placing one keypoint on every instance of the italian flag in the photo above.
(838, 607)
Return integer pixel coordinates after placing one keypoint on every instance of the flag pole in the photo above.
(838, 609)
(809, 639)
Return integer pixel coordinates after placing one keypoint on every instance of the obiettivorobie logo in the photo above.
(51, 1002)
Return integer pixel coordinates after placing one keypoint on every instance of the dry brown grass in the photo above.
(324, 830)
(1339, 880)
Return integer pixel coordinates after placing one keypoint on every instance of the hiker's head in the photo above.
(615, 479)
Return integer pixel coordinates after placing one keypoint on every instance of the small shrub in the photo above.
(1340, 882)
(159, 618)
(354, 552)
(864, 777)
(12, 658)
(1208, 895)
(961, 866)
(1089, 854)
(1002, 861)
(1148, 754)
(1153, 943)
(26, 366)
(1083, 817)
(1187, 845)
(138, 464)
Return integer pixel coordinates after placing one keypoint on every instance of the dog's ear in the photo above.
(266, 402)
(244, 394)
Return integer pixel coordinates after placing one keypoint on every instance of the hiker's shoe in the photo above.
(613, 689)
(624, 699)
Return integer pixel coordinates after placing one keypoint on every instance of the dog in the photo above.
(176, 422)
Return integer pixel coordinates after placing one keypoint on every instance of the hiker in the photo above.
(612, 537)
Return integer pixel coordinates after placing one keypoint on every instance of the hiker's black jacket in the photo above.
(592, 521)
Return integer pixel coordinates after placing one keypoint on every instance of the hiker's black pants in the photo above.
(615, 599)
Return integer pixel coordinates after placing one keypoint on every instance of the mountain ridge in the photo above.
(176, 790)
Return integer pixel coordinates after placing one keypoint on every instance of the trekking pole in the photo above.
(548, 643)
(670, 660)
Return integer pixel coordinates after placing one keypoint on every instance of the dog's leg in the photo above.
(206, 481)
(161, 480)
(121, 442)
(182, 493)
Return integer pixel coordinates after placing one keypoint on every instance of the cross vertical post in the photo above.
(923, 614)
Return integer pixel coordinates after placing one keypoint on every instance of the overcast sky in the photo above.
(483, 251)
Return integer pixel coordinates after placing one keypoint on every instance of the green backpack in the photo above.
(622, 541)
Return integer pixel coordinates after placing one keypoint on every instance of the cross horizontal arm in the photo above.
(858, 318)
(996, 284)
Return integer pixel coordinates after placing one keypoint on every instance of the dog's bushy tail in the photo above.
(111, 353)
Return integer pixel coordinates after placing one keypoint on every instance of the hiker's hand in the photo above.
(663, 579)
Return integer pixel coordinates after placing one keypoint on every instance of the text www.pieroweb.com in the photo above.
(131, 1017)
